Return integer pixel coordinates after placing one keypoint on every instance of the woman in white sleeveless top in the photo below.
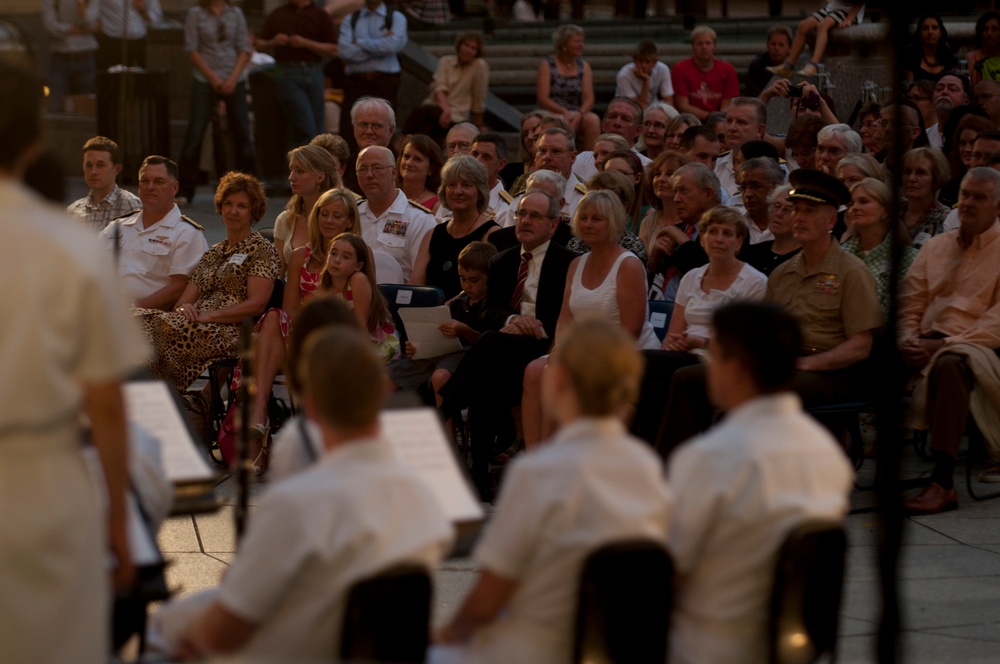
(607, 283)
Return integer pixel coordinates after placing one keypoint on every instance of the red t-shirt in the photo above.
(705, 89)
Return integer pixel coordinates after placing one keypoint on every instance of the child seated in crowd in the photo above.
(466, 307)
(356, 512)
(350, 274)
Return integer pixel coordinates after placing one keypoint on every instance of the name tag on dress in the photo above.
(237, 259)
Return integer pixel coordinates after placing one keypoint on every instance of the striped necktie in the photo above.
(522, 276)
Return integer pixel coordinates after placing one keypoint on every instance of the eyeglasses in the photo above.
(655, 125)
(377, 169)
(375, 126)
(458, 145)
(531, 214)
(787, 208)
(871, 124)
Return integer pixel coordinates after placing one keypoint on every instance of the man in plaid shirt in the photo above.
(106, 201)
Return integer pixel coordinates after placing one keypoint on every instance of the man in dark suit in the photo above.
(523, 299)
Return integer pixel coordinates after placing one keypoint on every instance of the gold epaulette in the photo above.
(580, 187)
(127, 214)
(507, 197)
(191, 221)
(419, 206)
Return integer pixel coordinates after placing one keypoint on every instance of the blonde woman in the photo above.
(591, 485)
(311, 171)
(608, 283)
(872, 236)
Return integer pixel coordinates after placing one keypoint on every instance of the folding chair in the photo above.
(623, 610)
(387, 618)
(220, 372)
(805, 600)
(399, 296)
(660, 313)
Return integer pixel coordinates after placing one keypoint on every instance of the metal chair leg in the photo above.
(976, 444)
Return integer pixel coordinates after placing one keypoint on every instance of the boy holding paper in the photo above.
(473, 269)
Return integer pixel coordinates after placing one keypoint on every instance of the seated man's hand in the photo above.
(676, 234)
(528, 326)
(665, 245)
(917, 352)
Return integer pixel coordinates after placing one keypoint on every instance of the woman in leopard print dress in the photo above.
(231, 283)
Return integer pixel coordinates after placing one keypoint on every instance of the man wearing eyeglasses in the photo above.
(758, 177)
(523, 299)
(158, 247)
(556, 151)
(833, 143)
(369, 44)
(389, 222)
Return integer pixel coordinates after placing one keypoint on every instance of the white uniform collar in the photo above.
(170, 219)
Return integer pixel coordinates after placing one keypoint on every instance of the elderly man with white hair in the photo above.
(389, 222)
(373, 122)
(833, 143)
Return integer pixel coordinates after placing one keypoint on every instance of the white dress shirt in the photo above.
(740, 488)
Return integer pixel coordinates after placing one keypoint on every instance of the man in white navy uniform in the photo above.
(158, 247)
(353, 514)
(556, 151)
(490, 150)
(741, 487)
(389, 222)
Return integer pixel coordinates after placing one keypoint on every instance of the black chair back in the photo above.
(805, 602)
(387, 618)
(623, 611)
(660, 313)
(398, 296)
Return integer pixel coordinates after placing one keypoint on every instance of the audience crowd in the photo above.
(774, 247)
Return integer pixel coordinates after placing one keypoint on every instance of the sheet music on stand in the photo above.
(155, 406)
(420, 442)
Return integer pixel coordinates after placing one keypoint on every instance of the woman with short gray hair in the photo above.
(465, 191)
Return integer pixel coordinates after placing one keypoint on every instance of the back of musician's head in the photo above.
(343, 378)
(764, 337)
